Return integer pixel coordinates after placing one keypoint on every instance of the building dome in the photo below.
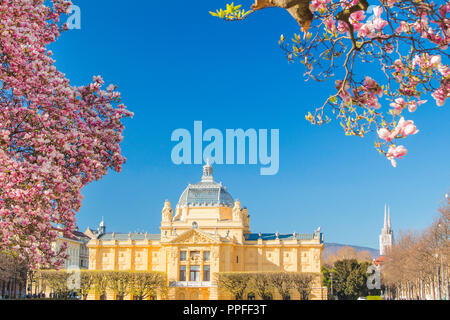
(206, 193)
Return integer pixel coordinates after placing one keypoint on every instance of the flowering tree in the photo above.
(54, 138)
(406, 39)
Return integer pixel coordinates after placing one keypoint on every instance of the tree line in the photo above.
(266, 284)
(345, 274)
(13, 275)
(416, 266)
(63, 284)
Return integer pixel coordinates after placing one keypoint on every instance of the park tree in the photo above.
(262, 284)
(56, 281)
(404, 41)
(100, 283)
(146, 284)
(283, 283)
(303, 282)
(233, 283)
(119, 282)
(349, 279)
(86, 283)
(417, 264)
(13, 274)
(55, 138)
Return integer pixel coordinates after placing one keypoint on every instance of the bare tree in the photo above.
(263, 286)
(416, 267)
(283, 282)
(147, 284)
(303, 282)
(233, 283)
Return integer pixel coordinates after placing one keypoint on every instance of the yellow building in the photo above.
(209, 232)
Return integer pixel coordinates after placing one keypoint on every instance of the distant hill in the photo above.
(332, 248)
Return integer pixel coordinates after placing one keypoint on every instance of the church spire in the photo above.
(389, 218)
(207, 172)
(386, 236)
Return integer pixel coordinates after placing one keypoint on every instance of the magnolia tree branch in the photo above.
(54, 138)
(406, 42)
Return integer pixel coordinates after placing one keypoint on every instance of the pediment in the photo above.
(195, 237)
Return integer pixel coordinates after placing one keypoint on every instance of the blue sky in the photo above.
(175, 64)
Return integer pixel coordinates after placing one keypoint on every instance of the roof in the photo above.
(206, 193)
(127, 236)
(282, 237)
(80, 234)
(379, 261)
(74, 235)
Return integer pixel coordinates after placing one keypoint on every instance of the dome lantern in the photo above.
(206, 193)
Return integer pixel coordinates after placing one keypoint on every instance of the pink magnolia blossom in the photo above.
(54, 138)
(399, 104)
(396, 152)
(384, 134)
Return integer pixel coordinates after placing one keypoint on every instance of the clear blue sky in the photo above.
(174, 64)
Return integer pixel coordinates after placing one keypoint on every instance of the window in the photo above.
(194, 273)
(206, 255)
(251, 296)
(182, 255)
(206, 273)
(237, 259)
(182, 273)
(194, 225)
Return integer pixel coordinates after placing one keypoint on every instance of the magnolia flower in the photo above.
(398, 105)
(384, 134)
(440, 95)
(435, 60)
(412, 106)
(406, 127)
(396, 152)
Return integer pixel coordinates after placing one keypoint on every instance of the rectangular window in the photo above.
(195, 273)
(206, 255)
(182, 255)
(206, 273)
(182, 273)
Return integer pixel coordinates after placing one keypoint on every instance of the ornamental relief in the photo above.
(193, 237)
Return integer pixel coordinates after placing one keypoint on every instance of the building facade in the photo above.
(208, 232)
(387, 235)
(77, 250)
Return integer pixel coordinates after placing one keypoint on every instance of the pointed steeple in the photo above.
(389, 218)
(386, 236)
